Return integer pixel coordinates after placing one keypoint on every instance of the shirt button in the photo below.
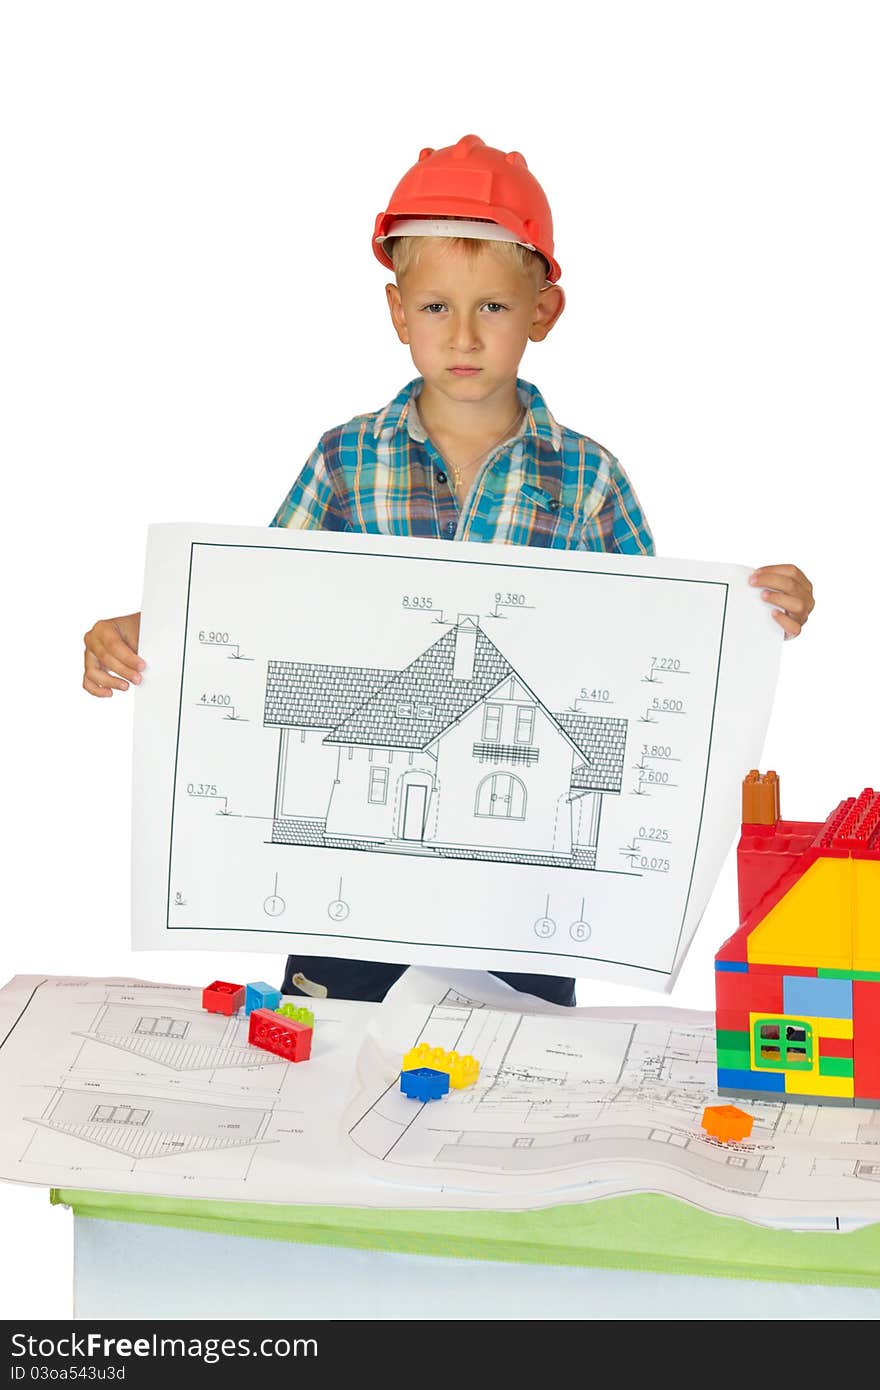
(553, 504)
(450, 528)
(441, 477)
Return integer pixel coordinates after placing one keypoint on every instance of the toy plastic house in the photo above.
(797, 987)
(222, 997)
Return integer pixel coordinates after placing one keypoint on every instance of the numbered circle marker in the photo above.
(274, 906)
(580, 931)
(545, 926)
(338, 910)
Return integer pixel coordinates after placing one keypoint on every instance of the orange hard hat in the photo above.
(473, 181)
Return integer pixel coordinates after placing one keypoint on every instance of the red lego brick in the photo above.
(733, 991)
(866, 1039)
(732, 1020)
(835, 1047)
(221, 997)
(854, 826)
(276, 1033)
(751, 993)
(765, 995)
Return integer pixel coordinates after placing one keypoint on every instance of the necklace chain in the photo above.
(458, 473)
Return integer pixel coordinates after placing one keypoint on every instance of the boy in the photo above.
(467, 450)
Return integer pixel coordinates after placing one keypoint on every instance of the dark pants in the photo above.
(371, 980)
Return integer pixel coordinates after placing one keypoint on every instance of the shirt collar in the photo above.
(403, 411)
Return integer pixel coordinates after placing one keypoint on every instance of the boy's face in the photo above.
(456, 313)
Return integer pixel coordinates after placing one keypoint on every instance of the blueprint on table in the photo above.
(127, 1086)
(475, 756)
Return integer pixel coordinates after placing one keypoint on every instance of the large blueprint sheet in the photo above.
(127, 1086)
(473, 756)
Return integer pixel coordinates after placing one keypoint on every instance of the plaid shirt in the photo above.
(545, 486)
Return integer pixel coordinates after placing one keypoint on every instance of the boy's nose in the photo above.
(464, 336)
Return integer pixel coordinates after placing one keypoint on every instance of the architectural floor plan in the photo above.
(569, 1105)
(481, 756)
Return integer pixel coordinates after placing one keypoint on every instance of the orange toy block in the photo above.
(727, 1122)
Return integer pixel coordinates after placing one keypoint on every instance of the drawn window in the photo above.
(379, 786)
(492, 723)
(783, 1044)
(424, 711)
(404, 709)
(119, 1115)
(162, 1027)
(502, 796)
(525, 725)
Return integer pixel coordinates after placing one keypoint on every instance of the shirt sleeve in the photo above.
(623, 521)
(312, 503)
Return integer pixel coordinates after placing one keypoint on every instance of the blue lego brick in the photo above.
(751, 1080)
(259, 995)
(740, 967)
(812, 997)
(424, 1083)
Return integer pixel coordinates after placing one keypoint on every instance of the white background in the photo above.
(189, 300)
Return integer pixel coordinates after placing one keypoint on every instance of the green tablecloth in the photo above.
(644, 1231)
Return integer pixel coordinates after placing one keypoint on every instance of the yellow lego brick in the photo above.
(812, 924)
(866, 914)
(810, 1083)
(462, 1071)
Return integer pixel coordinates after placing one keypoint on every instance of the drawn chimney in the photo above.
(465, 646)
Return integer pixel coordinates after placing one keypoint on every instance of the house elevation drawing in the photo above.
(365, 755)
(475, 756)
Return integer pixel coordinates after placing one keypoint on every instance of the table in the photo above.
(637, 1257)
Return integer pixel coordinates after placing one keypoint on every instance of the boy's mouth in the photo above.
(465, 371)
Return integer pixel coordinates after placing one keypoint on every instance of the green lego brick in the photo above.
(835, 1066)
(734, 1058)
(299, 1015)
(823, 974)
(737, 1040)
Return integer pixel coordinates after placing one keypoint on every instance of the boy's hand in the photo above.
(792, 593)
(111, 659)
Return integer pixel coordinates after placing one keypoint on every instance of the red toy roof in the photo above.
(772, 857)
(853, 826)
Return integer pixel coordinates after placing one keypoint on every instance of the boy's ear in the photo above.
(551, 302)
(398, 318)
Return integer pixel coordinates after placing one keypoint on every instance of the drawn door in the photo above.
(414, 813)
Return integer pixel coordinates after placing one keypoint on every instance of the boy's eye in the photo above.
(437, 307)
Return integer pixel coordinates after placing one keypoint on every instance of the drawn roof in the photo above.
(315, 696)
(602, 741)
(424, 698)
(373, 707)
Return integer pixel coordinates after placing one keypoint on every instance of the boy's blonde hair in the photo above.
(404, 252)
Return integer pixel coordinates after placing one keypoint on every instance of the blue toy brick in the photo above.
(750, 1081)
(740, 967)
(811, 997)
(259, 995)
(424, 1083)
